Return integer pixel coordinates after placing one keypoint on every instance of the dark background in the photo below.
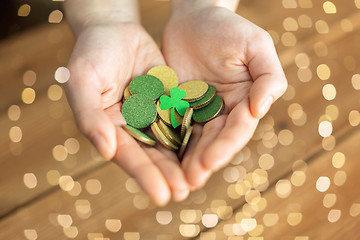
(11, 23)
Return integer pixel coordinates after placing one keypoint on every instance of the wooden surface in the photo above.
(299, 152)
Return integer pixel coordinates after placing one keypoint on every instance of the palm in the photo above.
(104, 61)
(108, 54)
(212, 45)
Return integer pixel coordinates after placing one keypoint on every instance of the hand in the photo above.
(105, 59)
(237, 58)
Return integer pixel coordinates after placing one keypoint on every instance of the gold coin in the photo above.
(166, 75)
(209, 112)
(195, 89)
(202, 102)
(185, 142)
(139, 135)
(170, 133)
(165, 115)
(186, 122)
(162, 138)
(127, 93)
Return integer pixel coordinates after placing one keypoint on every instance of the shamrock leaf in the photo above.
(181, 107)
(174, 102)
(165, 102)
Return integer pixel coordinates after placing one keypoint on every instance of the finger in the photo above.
(131, 157)
(265, 69)
(84, 96)
(239, 127)
(171, 155)
(196, 173)
(193, 142)
(115, 115)
(172, 173)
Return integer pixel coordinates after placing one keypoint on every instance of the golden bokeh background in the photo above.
(296, 179)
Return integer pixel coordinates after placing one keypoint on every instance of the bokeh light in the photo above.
(354, 118)
(294, 218)
(323, 71)
(164, 217)
(55, 92)
(329, 92)
(248, 224)
(30, 180)
(321, 27)
(346, 25)
(283, 188)
(209, 220)
(340, 178)
(66, 183)
(334, 215)
(288, 39)
(325, 129)
(141, 201)
(83, 208)
(62, 74)
(322, 184)
(28, 95)
(14, 112)
(355, 210)
(29, 78)
(55, 16)
(15, 134)
(329, 200)
(131, 236)
(30, 234)
(355, 80)
(71, 232)
(64, 220)
(329, 7)
(24, 10)
(338, 160)
(93, 186)
(290, 24)
(59, 153)
(113, 225)
(189, 230)
(289, 3)
(305, 21)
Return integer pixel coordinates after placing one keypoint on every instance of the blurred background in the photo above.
(296, 179)
(15, 15)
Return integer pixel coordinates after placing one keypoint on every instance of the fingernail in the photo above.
(181, 195)
(201, 180)
(101, 145)
(265, 106)
(163, 199)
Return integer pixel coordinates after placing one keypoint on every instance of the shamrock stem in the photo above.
(174, 123)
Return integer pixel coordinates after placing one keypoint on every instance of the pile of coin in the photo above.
(156, 100)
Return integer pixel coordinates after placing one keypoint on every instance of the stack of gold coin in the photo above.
(177, 107)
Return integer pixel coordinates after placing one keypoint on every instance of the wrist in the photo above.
(187, 6)
(84, 14)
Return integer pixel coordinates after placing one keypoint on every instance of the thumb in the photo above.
(268, 76)
(83, 92)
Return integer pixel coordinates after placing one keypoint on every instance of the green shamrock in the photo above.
(174, 102)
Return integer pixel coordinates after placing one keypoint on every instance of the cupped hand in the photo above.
(105, 59)
(239, 59)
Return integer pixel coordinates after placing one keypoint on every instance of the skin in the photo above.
(105, 59)
(236, 57)
(239, 60)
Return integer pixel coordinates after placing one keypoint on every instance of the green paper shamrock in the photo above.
(174, 102)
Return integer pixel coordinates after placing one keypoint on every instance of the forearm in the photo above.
(84, 13)
(189, 5)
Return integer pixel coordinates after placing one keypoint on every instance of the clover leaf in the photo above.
(174, 102)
